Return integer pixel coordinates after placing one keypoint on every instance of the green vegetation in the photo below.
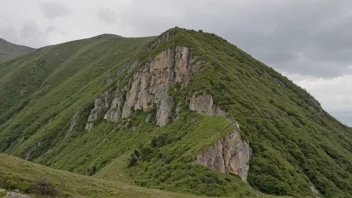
(296, 144)
(40, 181)
(9, 50)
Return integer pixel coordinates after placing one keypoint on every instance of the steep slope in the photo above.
(186, 111)
(9, 50)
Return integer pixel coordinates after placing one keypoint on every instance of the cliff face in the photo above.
(228, 155)
(204, 104)
(148, 87)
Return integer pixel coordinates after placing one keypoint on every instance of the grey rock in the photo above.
(23, 91)
(15, 195)
(73, 123)
(204, 104)
(228, 155)
(31, 150)
(115, 111)
(150, 84)
(148, 118)
(101, 105)
(108, 79)
(148, 87)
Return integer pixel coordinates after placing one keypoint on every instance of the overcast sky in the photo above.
(310, 41)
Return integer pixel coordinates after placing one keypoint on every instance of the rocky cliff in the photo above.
(228, 155)
(148, 87)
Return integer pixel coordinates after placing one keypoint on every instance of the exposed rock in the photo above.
(148, 118)
(204, 104)
(177, 112)
(184, 72)
(150, 85)
(15, 195)
(115, 111)
(74, 121)
(31, 150)
(315, 191)
(228, 155)
(164, 113)
(23, 91)
(101, 105)
(129, 67)
(278, 81)
(315, 105)
(108, 79)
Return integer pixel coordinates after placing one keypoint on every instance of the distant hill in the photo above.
(9, 50)
(186, 112)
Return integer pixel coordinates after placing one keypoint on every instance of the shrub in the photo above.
(45, 187)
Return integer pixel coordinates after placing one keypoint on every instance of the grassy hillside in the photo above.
(27, 177)
(9, 50)
(296, 144)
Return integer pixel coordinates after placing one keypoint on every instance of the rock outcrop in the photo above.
(31, 150)
(148, 87)
(15, 195)
(101, 105)
(228, 155)
(115, 111)
(204, 104)
(73, 123)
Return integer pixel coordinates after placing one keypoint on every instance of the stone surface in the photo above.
(228, 155)
(148, 118)
(150, 84)
(15, 195)
(128, 67)
(73, 123)
(31, 150)
(204, 104)
(115, 111)
(148, 87)
(101, 105)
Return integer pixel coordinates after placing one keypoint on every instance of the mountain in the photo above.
(184, 112)
(9, 50)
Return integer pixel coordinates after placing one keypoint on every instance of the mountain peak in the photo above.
(186, 111)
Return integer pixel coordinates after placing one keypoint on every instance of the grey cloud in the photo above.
(28, 33)
(344, 117)
(106, 15)
(52, 10)
(272, 31)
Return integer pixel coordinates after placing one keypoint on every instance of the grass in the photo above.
(9, 50)
(296, 144)
(18, 174)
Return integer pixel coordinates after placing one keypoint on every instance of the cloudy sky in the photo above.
(310, 41)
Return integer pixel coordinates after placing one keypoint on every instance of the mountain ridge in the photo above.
(199, 89)
(9, 50)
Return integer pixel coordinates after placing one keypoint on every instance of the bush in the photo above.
(45, 187)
